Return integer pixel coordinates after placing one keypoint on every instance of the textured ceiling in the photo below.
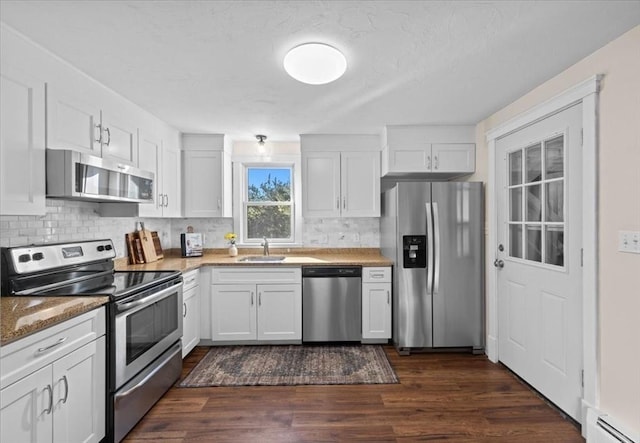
(216, 66)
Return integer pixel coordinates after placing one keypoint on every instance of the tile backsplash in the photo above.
(67, 220)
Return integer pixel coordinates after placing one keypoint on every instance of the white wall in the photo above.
(619, 200)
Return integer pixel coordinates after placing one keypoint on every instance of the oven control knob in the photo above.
(100, 248)
(23, 258)
(107, 247)
(38, 256)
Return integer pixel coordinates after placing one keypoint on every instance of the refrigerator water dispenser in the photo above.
(414, 249)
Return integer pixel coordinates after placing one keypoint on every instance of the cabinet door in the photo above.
(233, 312)
(22, 144)
(279, 312)
(360, 184)
(79, 386)
(202, 191)
(150, 159)
(410, 159)
(171, 182)
(321, 184)
(72, 123)
(376, 310)
(120, 138)
(454, 157)
(23, 409)
(191, 319)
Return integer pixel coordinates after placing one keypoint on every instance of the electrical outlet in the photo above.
(629, 241)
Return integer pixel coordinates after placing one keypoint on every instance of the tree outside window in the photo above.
(269, 203)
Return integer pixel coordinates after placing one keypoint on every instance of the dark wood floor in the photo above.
(453, 397)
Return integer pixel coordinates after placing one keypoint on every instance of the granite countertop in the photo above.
(21, 316)
(293, 257)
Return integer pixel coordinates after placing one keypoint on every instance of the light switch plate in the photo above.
(629, 241)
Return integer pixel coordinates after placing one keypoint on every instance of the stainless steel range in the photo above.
(144, 326)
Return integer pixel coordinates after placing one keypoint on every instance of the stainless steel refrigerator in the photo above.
(434, 232)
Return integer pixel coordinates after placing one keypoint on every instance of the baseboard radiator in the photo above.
(609, 433)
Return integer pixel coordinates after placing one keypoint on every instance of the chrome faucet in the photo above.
(265, 245)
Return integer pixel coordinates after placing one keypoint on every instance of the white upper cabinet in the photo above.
(340, 176)
(206, 176)
(81, 124)
(162, 157)
(440, 152)
(22, 142)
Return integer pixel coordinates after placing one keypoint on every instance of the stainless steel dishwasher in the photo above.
(331, 304)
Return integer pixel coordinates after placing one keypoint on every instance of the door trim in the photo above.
(585, 92)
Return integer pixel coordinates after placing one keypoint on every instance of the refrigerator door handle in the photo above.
(436, 255)
(429, 248)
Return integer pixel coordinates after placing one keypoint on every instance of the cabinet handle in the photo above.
(50, 408)
(99, 128)
(344, 203)
(259, 298)
(108, 136)
(388, 297)
(338, 203)
(46, 348)
(66, 388)
(436, 161)
(219, 204)
(428, 162)
(166, 200)
(160, 200)
(377, 275)
(251, 298)
(184, 310)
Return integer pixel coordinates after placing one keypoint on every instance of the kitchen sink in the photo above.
(262, 258)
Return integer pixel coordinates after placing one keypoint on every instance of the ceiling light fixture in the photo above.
(261, 138)
(315, 63)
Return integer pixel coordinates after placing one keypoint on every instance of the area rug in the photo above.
(291, 365)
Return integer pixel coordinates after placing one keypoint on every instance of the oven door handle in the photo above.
(122, 307)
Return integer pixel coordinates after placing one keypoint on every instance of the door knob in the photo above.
(498, 263)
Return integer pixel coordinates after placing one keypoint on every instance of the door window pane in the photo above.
(554, 158)
(516, 204)
(534, 205)
(555, 201)
(515, 241)
(534, 243)
(533, 163)
(515, 168)
(554, 245)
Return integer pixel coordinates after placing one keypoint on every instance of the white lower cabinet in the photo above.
(249, 304)
(376, 303)
(54, 383)
(190, 311)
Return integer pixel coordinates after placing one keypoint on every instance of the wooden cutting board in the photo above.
(148, 248)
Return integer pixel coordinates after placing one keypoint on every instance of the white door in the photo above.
(321, 184)
(233, 312)
(360, 184)
(150, 159)
(119, 138)
(203, 183)
(279, 312)
(376, 310)
(539, 206)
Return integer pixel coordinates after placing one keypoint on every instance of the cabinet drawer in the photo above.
(190, 279)
(372, 275)
(255, 274)
(28, 354)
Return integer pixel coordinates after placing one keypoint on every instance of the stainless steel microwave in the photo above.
(77, 176)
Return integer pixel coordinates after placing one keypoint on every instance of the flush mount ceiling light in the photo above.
(315, 63)
(261, 147)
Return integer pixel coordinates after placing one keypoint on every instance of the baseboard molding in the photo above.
(603, 428)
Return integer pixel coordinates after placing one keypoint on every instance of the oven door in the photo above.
(145, 326)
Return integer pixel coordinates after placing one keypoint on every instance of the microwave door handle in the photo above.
(429, 216)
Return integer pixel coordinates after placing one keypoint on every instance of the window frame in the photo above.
(240, 191)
